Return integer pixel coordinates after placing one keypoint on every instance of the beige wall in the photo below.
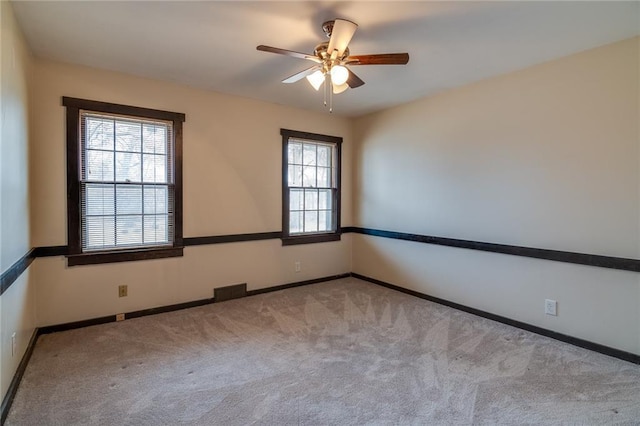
(17, 313)
(545, 157)
(232, 184)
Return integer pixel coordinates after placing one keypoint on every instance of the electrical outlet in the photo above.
(13, 344)
(551, 307)
(122, 291)
(119, 317)
(297, 266)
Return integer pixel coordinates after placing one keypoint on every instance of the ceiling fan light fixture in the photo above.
(330, 59)
(339, 74)
(339, 88)
(316, 79)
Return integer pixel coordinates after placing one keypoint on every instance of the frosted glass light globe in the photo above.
(339, 88)
(316, 79)
(339, 74)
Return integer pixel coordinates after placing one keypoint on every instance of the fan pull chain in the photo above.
(326, 84)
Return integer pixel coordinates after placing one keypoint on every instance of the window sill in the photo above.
(310, 239)
(94, 258)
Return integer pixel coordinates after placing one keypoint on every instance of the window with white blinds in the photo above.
(126, 182)
(311, 187)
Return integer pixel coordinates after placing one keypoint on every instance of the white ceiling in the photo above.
(212, 45)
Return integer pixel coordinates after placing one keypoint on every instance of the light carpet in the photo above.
(339, 352)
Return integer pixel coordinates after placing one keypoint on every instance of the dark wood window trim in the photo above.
(113, 256)
(75, 256)
(288, 239)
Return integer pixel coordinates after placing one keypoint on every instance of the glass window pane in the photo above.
(309, 176)
(156, 229)
(324, 220)
(324, 177)
(309, 155)
(128, 230)
(127, 167)
(128, 136)
(295, 176)
(296, 202)
(99, 165)
(128, 199)
(156, 200)
(154, 138)
(99, 199)
(325, 198)
(295, 222)
(324, 155)
(126, 150)
(310, 221)
(294, 153)
(311, 209)
(311, 199)
(99, 133)
(100, 232)
(154, 168)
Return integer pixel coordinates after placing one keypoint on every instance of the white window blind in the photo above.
(126, 182)
(311, 180)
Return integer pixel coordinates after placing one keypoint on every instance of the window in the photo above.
(310, 187)
(124, 179)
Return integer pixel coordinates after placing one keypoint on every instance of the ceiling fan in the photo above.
(332, 59)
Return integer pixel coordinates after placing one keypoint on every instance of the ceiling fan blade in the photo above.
(341, 35)
(302, 74)
(381, 59)
(291, 53)
(354, 81)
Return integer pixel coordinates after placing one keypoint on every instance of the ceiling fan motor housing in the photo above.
(321, 52)
(327, 27)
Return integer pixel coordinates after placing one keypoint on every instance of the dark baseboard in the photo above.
(76, 324)
(596, 347)
(169, 308)
(176, 307)
(17, 377)
(296, 284)
(128, 315)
